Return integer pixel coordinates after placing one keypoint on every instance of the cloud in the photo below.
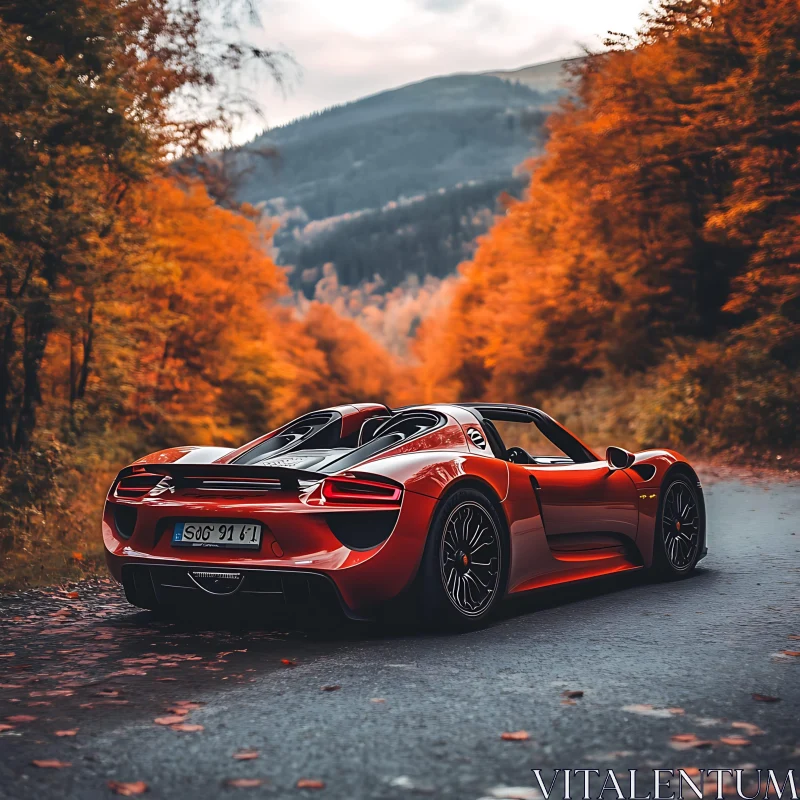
(353, 48)
(443, 5)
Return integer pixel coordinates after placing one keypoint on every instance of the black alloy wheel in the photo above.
(678, 528)
(462, 575)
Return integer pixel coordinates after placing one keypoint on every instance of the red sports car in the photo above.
(359, 504)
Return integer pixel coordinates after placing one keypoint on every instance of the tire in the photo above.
(680, 528)
(457, 590)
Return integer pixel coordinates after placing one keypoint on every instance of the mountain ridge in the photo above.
(343, 176)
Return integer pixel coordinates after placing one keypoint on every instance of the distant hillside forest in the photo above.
(424, 236)
(397, 184)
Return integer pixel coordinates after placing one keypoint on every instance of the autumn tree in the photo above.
(94, 96)
(664, 213)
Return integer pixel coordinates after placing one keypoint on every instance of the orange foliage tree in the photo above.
(664, 213)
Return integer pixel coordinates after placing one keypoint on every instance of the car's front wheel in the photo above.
(463, 568)
(679, 528)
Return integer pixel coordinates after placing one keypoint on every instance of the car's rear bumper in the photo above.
(276, 590)
(362, 579)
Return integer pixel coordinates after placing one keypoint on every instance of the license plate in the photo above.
(245, 535)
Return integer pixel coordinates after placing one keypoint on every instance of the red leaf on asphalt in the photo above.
(188, 704)
(310, 783)
(794, 636)
(748, 728)
(4, 727)
(332, 688)
(377, 700)
(244, 783)
(572, 694)
(683, 741)
(766, 698)
(107, 693)
(21, 718)
(128, 789)
(50, 763)
(288, 662)
(72, 732)
(166, 679)
(7, 655)
(188, 727)
(171, 720)
(77, 556)
(794, 653)
(73, 595)
(10, 685)
(246, 755)
(515, 736)
(735, 741)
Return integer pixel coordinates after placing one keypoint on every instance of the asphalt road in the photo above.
(421, 714)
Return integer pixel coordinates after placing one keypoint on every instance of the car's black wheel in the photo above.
(463, 568)
(679, 528)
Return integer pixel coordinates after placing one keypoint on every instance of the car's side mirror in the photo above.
(618, 458)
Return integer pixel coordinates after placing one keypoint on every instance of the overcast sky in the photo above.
(346, 49)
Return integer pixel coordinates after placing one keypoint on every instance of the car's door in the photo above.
(587, 498)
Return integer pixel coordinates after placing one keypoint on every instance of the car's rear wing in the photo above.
(133, 479)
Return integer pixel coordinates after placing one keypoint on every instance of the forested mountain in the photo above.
(397, 183)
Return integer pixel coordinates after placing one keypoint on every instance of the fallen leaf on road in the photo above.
(4, 727)
(646, 710)
(107, 693)
(332, 688)
(310, 783)
(166, 679)
(77, 556)
(766, 698)
(244, 783)
(515, 736)
(748, 728)
(73, 732)
(128, 789)
(794, 653)
(50, 763)
(572, 694)
(73, 595)
(794, 636)
(246, 755)
(690, 772)
(21, 718)
(288, 662)
(188, 704)
(735, 741)
(171, 720)
(7, 655)
(188, 727)
(377, 700)
(684, 741)
(515, 793)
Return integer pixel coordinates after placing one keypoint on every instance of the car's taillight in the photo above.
(358, 490)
